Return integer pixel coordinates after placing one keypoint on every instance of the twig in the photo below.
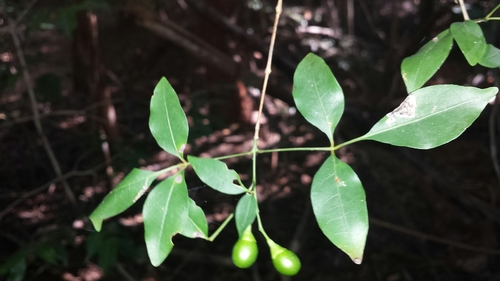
(123, 272)
(47, 185)
(25, 11)
(36, 117)
(464, 9)
(433, 238)
(268, 67)
(350, 17)
(183, 38)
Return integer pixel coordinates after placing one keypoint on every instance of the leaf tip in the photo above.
(358, 260)
(97, 222)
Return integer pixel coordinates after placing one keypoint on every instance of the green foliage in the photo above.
(196, 225)
(419, 68)
(318, 95)
(167, 121)
(245, 213)
(339, 204)
(470, 39)
(165, 213)
(431, 116)
(130, 189)
(207, 168)
(47, 248)
(427, 118)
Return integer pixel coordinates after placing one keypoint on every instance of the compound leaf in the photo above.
(339, 204)
(167, 120)
(470, 40)
(165, 212)
(317, 94)
(431, 116)
(124, 195)
(419, 68)
(215, 174)
(245, 213)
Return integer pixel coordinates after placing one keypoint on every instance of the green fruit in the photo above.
(245, 250)
(284, 260)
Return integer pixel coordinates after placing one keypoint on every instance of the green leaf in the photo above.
(431, 116)
(18, 257)
(470, 40)
(94, 244)
(419, 68)
(245, 213)
(167, 121)
(165, 213)
(215, 174)
(196, 225)
(491, 57)
(339, 204)
(124, 195)
(47, 253)
(107, 254)
(317, 94)
(17, 271)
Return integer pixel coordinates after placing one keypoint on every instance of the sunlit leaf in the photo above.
(245, 213)
(431, 116)
(419, 68)
(491, 57)
(215, 174)
(124, 195)
(339, 204)
(470, 40)
(317, 94)
(165, 213)
(167, 120)
(196, 225)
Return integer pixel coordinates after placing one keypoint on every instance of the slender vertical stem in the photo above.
(36, 115)
(264, 88)
(464, 9)
(268, 67)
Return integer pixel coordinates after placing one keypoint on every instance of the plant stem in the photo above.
(221, 227)
(34, 106)
(488, 17)
(268, 67)
(234, 155)
(348, 142)
(287, 149)
(464, 10)
(261, 228)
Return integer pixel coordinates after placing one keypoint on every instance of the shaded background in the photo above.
(93, 65)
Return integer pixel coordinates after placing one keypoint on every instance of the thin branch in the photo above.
(123, 272)
(433, 238)
(25, 11)
(36, 117)
(464, 9)
(268, 67)
(47, 185)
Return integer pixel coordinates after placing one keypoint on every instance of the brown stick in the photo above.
(36, 117)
